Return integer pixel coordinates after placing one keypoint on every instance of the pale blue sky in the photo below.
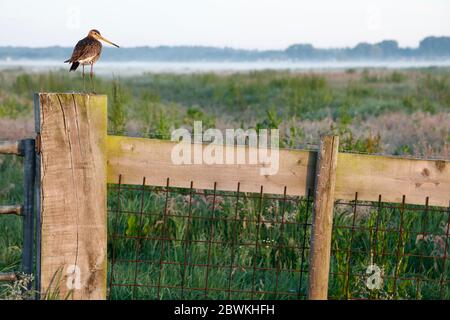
(259, 24)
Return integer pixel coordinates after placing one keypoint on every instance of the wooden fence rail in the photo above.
(12, 209)
(26, 149)
(369, 175)
(78, 159)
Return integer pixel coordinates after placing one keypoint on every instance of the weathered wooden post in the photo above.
(71, 142)
(319, 265)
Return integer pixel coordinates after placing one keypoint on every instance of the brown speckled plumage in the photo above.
(87, 52)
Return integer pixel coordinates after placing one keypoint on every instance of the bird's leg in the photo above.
(84, 82)
(92, 78)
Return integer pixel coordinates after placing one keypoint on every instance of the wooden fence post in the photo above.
(28, 212)
(72, 132)
(319, 265)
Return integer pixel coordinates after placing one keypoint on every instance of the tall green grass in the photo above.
(246, 96)
(150, 226)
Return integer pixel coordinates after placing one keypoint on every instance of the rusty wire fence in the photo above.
(171, 243)
(389, 251)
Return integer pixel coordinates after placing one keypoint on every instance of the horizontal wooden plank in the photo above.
(370, 176)
(134, 158)
(8, 276)
(393, 178)
(14, 209)
(11, 147)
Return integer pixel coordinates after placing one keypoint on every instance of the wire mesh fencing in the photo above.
(172, 243)
(389, 251)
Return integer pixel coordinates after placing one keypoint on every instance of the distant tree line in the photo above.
(429, 48)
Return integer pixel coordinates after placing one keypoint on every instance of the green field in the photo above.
(403, 112)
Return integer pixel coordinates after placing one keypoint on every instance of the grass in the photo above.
(10, 226)
(155, 104)
(413, 262)
(231, 238)
(376, 111)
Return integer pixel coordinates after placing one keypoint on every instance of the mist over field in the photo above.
(430, 48)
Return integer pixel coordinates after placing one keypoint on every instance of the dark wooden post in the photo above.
(72, 141)
(319, 266)
(28, 147)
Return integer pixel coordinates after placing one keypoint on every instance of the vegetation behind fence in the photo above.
(172, 243)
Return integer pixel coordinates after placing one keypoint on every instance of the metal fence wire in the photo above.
(172, 243)
(389, 251)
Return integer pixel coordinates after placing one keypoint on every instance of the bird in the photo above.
(86, 52)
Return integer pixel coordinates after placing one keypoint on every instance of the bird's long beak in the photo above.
(115, 45)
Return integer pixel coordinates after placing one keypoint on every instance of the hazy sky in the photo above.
(259, 24)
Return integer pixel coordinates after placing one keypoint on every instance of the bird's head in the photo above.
(94, 33)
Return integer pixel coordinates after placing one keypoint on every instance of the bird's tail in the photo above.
(74, 66)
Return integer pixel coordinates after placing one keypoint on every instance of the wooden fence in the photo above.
(26, 149)
(78, 159)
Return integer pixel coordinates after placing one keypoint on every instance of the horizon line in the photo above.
(239, 48)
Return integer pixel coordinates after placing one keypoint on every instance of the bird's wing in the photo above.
(81, 48)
